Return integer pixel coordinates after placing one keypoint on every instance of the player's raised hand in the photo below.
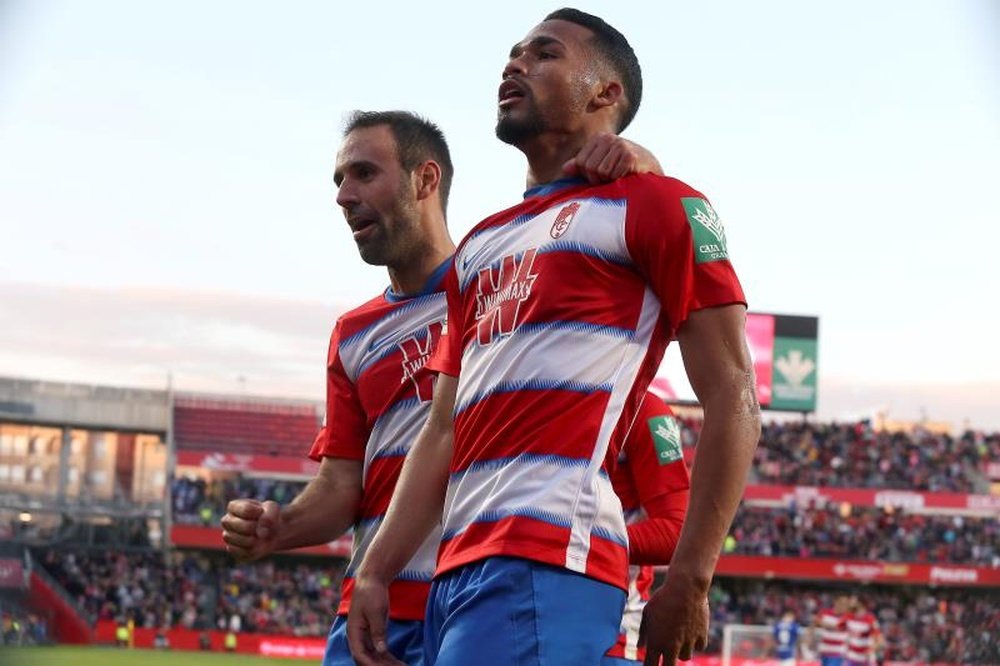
(366, 623)
(250, 528)
(674, 623)
(607, 157)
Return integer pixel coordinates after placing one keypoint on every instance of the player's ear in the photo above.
(609, 94)
(427, 177)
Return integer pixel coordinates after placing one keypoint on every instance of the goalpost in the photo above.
(753, 645)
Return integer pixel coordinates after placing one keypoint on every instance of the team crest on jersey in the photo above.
(500, 293)
(563, 219)
(416, 353)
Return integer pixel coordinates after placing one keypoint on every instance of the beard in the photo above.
(515, 131)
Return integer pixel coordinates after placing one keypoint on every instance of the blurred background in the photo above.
(172, 261)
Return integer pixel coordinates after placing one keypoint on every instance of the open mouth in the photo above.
(361, 226)
(509, 93)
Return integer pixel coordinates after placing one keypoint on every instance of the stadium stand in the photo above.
(919, 624)
(240, 426)
(866, 533)
(122, 530)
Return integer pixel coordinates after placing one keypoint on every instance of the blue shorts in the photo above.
(505, 611)
(619, 661)
(406, 642)
(827, 660)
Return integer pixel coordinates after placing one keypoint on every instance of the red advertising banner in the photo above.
(785, 568)
(11, 573)
(198, 536)
(190, 639)
(901, 499)
(237, 462)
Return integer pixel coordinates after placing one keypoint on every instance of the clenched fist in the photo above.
(250, 528)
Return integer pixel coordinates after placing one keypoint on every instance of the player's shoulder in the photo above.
(362, 316)
(662, 187)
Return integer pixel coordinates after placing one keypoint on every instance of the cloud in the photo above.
(207, 340)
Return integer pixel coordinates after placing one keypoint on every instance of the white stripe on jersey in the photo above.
(420, 567)
(603, 234)
(383, 336)
(535, 486)
(632, 617)
(396, 430)
(535, 354)
(624, 381)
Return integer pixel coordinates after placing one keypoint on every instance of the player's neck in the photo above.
(411, 277)
(547, 154)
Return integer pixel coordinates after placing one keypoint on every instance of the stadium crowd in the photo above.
(957, 626)
(196, 500)
(857, 456)
(790, 453)
(21, 628)
(867, 533)
(298, 597)
(196, 590)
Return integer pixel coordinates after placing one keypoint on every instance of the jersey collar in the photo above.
(432, 285)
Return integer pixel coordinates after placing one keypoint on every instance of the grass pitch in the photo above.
(108, 656)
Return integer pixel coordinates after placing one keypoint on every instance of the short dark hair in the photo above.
(614, 49)
(417, 140)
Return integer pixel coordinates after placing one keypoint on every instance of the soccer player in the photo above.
(863, 634)
(559, 310)
(786, 639)
(830, 632)
(394, 174)
(651, 480)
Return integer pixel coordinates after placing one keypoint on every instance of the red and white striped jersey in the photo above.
(861, 631)
(559, 311)
(650, 465)
(832, 633)
(378, 397)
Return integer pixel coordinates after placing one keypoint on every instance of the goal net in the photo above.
(747, 645)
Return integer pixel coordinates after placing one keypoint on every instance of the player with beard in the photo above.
(559, 311)
(394, 174)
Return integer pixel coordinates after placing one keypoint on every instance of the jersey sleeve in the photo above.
(344, 433)
(660, 477)
(447, 356)
(679, 244)
(656, 460)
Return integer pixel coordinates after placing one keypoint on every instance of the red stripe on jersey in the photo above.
(383, 473)
(604, 558)
(528, 538)
(407, 599)
(619, 649)
(569, 417)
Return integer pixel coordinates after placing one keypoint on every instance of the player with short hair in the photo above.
(786, 639)
(863, 635)
(829, 633)
(651, 479)
(559, 311)
(393, 174)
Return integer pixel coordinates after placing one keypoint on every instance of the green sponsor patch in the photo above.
(706, 230)
(793, 384)
(666, 434)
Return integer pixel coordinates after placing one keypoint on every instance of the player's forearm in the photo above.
(416, 505)
(322, 512)
(722, 460)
